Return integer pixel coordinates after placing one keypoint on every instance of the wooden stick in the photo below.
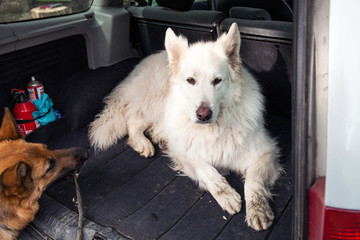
(80, 209)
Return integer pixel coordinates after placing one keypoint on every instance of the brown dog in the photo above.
(26, 169)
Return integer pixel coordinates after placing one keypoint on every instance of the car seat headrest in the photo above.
(249, 13)
(179, 5)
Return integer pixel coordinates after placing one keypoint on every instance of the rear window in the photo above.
(21, 10)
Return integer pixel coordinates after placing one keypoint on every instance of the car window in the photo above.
(140, 2)
(21, 10)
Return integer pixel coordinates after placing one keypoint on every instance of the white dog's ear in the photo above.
(174, 46)
(231, 45)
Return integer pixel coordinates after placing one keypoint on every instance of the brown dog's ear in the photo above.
(8, 130)
(17, 181)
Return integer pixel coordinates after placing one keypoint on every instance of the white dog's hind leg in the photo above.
(260, 176)
(212, 181)
(137, 139)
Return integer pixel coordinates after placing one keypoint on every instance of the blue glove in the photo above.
(44, 113)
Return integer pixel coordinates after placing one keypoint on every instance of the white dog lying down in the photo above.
(208, 109)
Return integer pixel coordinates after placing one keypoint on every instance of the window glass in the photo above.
(20, 10)
(140, 2)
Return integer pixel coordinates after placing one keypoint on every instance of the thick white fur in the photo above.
(156, 97)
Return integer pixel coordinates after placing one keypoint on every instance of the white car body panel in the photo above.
(343, 153)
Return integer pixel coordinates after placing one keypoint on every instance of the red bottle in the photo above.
(34, 89)
(22, 112)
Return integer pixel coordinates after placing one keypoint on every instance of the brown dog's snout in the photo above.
(203, 113)
(72, 158)
(81, 155)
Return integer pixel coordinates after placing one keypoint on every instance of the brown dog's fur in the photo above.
(26, 169)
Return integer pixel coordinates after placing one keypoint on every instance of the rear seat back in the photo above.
(279, 9)
(151, 24)
(266, 50)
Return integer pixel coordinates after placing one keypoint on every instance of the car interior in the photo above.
(80, 58)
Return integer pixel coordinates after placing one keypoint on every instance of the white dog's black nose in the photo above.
(203, 113)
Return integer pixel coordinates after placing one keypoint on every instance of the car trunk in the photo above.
(126, 196)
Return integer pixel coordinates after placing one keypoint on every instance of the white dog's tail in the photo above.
(108, 126)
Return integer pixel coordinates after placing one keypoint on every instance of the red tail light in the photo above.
(341, 224)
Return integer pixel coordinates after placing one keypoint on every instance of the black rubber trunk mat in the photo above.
(141, 198)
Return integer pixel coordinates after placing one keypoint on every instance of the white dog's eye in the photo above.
(217, 81)
(191, 80)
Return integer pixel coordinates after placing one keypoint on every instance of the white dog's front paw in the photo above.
(143, 146)
(259, 215)
(229, 200)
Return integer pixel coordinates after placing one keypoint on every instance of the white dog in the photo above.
(208, 109)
